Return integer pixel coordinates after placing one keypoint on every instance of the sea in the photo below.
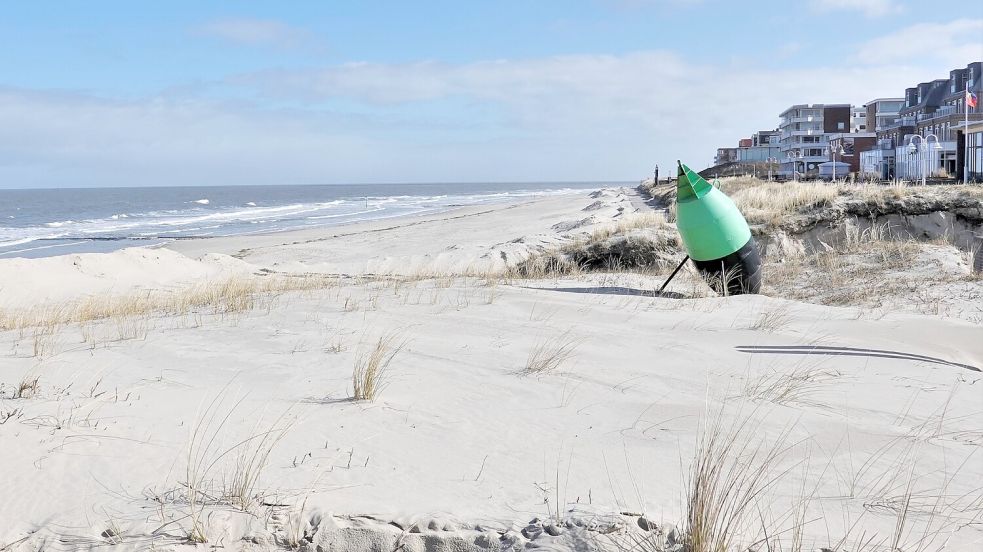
(49, 222)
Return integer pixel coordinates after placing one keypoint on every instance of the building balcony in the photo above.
(818, 139)
(809, 132)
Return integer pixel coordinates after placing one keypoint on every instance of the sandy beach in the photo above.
(212, 398)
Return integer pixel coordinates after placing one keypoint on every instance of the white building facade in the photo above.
(804, 131)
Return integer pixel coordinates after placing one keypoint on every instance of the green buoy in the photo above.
(716, 236)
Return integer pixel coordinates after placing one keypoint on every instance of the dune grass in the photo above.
(28, 386)
(737, 498)
(730, 472)
(773, 319)
(370, 374)
(240, 486)
(130, 315)
(222, 468)
(796, 387)
(549, 354)
(769, 203)
(232, 295)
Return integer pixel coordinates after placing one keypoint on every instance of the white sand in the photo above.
(459, 443)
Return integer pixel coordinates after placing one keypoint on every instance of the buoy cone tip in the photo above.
(690, 184)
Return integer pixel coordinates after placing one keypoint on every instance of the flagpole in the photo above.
(966, 135)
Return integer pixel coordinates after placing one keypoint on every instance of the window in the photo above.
(840, 126)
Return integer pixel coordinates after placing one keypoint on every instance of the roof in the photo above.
(933, 97)
(879, 100)
(814, 106)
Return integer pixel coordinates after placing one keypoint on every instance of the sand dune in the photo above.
(557, 413)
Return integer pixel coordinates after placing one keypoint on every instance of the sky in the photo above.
(107, 93)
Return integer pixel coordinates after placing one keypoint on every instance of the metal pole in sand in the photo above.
(673, 275)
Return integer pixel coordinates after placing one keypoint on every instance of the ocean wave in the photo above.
(249, 218)
(41, 247)
(351, 214)
(12, 243)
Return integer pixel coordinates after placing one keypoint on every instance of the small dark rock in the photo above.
(532, 531)
(554, 530)
(646, 525)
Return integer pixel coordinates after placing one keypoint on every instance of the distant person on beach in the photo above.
(657, 174)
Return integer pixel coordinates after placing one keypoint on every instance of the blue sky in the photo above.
(191, 93)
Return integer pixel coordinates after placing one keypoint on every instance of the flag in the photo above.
(971, 99)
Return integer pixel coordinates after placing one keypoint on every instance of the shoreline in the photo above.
(78, 276)
(104, 224)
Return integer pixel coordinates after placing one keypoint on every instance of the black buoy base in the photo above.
(735, 274)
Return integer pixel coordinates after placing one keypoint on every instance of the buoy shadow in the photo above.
(616, 290)
(847, 351)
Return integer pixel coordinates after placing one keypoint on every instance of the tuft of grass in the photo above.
(796, 387)
(44, 338)
(552, 264)
(207, 452)
(549, 354)
(737, 477)
(730, 471)
(28, 386)
(252, 456)
(772, 320)
(369, 376)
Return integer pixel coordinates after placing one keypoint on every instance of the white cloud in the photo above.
(575, 117)
(71, 139)
(870, 8)
(262, 32)
(949, 45)
(656, 91)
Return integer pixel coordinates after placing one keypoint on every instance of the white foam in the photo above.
(40, 247)
(250, 218)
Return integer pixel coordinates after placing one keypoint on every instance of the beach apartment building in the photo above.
(975, 150)
(804, 131)
(759, 148)
(877, 160)
(882, 113)
(725, 155)
(947, 122)
(935, 111)
(858, 119)
(844, 150)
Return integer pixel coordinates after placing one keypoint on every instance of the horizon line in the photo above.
(413, 183)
